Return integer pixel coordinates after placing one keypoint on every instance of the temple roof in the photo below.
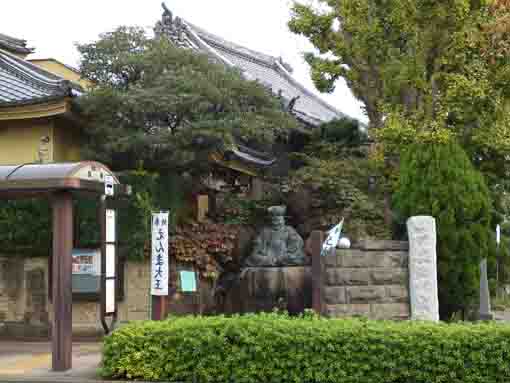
(22, 82)
(14, 45)
(268, 70)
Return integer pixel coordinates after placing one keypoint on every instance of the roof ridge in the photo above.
(261, 57)
(14, 44)
(305, 90)
(269, 70)
(270, 61)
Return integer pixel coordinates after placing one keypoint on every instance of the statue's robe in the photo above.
(282, 247)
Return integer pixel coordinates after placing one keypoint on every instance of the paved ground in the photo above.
(502, 315)
(31, 362)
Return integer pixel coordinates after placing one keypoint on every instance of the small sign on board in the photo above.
(108, 186)
(188, 281)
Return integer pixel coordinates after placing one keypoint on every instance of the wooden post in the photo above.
(317, 238)
(62, 282)
(158, 307)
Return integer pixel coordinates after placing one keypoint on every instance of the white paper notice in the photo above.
(110, 225)
(159, 269)
(110, 296)
(110, 261)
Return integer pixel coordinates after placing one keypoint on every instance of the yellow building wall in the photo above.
(67, 140)
(26, 141)
(58, 68)
(21, 141)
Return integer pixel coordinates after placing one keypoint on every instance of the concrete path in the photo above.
(31, 362)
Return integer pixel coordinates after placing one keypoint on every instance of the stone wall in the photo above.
(371, 280)
(26, 310)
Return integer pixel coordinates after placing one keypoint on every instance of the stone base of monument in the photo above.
(264, 289)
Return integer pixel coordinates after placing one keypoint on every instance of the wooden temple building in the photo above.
(36, 119)
(38, 125)
(273, 72)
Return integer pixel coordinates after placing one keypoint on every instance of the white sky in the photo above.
(53, 26)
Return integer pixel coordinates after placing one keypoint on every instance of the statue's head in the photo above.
(277, 214)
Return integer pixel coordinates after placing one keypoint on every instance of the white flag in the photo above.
(331, 241)
(159, 269)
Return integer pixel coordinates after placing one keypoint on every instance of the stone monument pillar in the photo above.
(423, 268)
(485, 297)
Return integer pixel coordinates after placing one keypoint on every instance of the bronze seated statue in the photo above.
(277, 245)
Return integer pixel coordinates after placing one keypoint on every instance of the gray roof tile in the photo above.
(14, 45)
(268, 70)
(22, 82)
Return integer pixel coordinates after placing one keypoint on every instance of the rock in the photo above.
(365, 294)
(350, 310)
(389, 276)
(371, 259)
(370, 244)
(395, 311)
(423, 268)
(398, 293)
(334, 295)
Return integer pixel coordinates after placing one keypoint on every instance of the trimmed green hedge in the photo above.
(272, 348)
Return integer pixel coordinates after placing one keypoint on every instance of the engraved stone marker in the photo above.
(485, 297)
(423, 268)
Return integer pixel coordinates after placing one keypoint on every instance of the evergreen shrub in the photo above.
(275, 348)
(440, 180)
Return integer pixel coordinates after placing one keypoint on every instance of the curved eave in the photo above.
(35, 108)
(28, 180)
(218, 159)
(16, 49)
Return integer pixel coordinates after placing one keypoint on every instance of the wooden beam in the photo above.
(317, 238)
(62, 283)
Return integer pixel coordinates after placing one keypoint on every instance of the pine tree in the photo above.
(439, 180)
(164, 107)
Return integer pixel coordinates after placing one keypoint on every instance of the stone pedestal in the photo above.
(423, 268)
(262, 289)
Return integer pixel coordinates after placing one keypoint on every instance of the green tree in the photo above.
(425, 70)
(164, 107)
(439, 180)
(334, 168)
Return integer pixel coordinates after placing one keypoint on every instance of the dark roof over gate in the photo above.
(43, 178)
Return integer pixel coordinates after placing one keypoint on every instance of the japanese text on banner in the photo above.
(159, 270)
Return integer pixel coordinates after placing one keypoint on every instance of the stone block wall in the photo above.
(26, 310)
(370, 280)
